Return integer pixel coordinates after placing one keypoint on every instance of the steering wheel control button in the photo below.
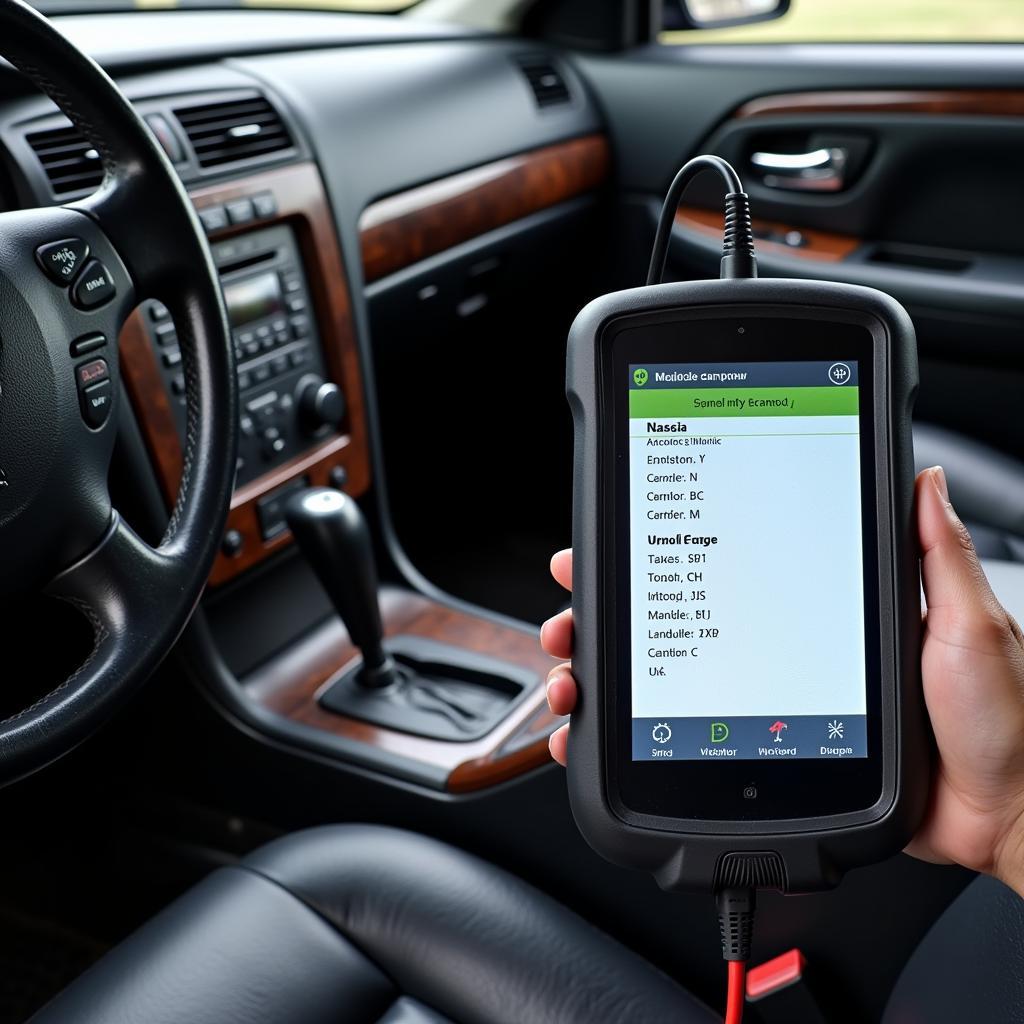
(62, 260)
(96, 403)
(94, 287)
(87, 343)
(91, 373)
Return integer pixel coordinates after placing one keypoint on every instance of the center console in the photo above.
(408, 685)
(466, 708)
(287, 402)
(302, 419)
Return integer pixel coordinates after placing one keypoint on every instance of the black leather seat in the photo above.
(350, 924)
(970, 965)
(986, 486)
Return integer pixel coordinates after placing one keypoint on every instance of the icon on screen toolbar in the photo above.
(835, 729)
(839, 373)
(640, 377)
(661, 733)
(777, 728)
(719, 732)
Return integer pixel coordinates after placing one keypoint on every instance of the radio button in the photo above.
(297, 304)
(251, 348)
(264, 205)
(240, 211)
(244, 381)
(273, 442)
(300, 326)
(261, 402)
(298, 356)
(158, 311)
(261, 373)
(280, 324)
(172, 357)
(213, 218)
(178, 384)
(279, 364)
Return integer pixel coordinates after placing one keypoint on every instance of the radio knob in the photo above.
(320, 404)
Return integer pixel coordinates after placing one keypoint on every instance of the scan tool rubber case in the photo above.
(772, 822)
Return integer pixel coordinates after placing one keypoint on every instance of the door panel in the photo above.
(929, 209)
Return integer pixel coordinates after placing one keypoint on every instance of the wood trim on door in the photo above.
(402, 229)
(948, 102)
(824, 246)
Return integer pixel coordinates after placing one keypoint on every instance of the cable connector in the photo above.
(736, 921)
(738, 258)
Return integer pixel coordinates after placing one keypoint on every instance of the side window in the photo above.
(851, 21)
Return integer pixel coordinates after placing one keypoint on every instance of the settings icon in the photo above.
(835, 730)
(661, 733)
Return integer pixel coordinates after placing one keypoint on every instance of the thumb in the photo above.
(962, 609)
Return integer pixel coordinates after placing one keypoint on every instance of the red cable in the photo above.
(737, 992)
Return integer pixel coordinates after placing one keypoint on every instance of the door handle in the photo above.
(818, 170)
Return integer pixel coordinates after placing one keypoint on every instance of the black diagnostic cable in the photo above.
(738, 258)
(735, 905)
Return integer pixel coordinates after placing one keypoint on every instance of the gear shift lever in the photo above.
(421, 687)
(332, 533)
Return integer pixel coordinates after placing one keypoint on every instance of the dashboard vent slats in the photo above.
(232, 130)
(544, 78)
(69, 162)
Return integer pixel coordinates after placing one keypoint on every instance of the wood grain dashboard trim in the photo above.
(824, 246)
(402, 229)
(302, 204)
(949, 102)
(290, 686)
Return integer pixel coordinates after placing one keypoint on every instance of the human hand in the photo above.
(972, 662)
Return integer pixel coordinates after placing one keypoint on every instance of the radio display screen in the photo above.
(253, 298)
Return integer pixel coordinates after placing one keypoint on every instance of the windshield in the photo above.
(96, 6)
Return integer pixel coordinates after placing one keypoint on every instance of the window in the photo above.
(848, 21)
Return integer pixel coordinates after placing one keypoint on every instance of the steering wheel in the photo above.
(69, 278)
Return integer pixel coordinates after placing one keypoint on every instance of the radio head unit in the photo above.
(287, 401)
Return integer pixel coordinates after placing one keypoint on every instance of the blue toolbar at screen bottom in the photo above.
(796, 737)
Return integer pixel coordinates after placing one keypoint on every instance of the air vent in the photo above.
(71, 163)
(232, 130)
(545, 80)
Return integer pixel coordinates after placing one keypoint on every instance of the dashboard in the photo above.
(314, 171)
(328, 157)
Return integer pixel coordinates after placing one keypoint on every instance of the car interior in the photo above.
(275, 738)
